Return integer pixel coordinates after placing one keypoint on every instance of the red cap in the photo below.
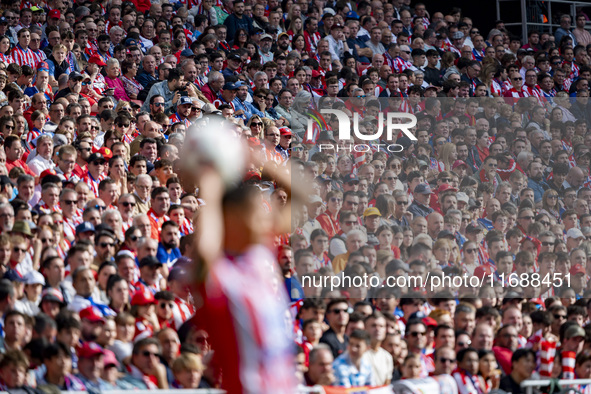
(577, 269)
(42, 66)
(445, 187)
(90, 349)
(482, 270)
(106, 152)
(110, 358)
(285, 131)
(91, 314)
(143, 298)
(55, 14)
(96, 59)
(49, 171)
(458, 163)
(316, 74)
(252, 175)
(429, 321)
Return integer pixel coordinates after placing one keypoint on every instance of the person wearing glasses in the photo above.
(445, 361)
(516, 91)
(183, 111)
(145, 364)
(156, 104)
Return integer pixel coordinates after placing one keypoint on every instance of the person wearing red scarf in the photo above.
(488, 171)
(466, 375)
(482, 144)
(329, 220)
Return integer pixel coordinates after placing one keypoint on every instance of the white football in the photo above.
(212, 141)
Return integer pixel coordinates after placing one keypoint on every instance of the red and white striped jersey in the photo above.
(181, 311)
(241, 302)
(535, 92)
(186, 227)
(175, 118)
(22, 56)
(496, 87)
(574, 69)
(532, 91)
(400, 64)
(70, 226)
(109, 25)
(92, 183)
(6, 58)
(567, 84)
(515, 94)
(40, 56)
(31, 135)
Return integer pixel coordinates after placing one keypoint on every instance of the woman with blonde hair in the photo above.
(123, 105)
(441, 316)
(488, 75)
(187, 370)
(447, 156)
(256, 126)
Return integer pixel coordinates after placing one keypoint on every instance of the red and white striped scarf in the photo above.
(466, 384)
(568, 364)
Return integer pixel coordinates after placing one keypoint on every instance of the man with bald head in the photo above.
(92, 31)
(482, 124)
(483, 337)
(151, 130)
(189, 71)
(574, 178)
(492, 205)
(38, 103)
(148, 73)
(156, 11)
(517, 82)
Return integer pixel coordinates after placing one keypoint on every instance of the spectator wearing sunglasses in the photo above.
(156, 104)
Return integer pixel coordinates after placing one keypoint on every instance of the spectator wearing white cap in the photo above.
(29, 304)
(574, 238)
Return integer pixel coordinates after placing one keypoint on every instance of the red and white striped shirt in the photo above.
(6, 58)
(574, 69)
(31, 135)
(181, 311)
(39, 56)
(187, 227)
(496, 87)
(22, 56)
(400, 64)
(175, 118)
(240, 302)
(92, 183)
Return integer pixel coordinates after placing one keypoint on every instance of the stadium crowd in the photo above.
(97, 231)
